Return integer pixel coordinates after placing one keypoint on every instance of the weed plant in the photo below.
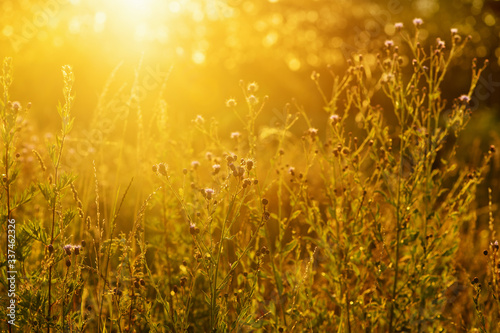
(358, 224)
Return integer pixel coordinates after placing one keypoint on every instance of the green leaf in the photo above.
(289, 247)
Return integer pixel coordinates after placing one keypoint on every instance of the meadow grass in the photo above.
(360, 223)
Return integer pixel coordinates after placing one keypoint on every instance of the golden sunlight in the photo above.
(249, 166)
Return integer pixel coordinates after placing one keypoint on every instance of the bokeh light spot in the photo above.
(293, 63)
(198, 57)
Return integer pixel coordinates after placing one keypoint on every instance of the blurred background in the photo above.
(205, 47)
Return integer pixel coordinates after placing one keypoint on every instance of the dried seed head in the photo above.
(231, 103)
(252, 87)
(50, 247)
(83, 243)
(68, 262)
(249, 165)
(76, 249)
(162, 169)
(252, 100)
(265, 201)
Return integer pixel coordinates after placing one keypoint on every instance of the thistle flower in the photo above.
(209, 193)
(398, 26)
(216, 168)
(195, 165)
(389, 43)
(67, 248)
(464, 99)
(334, 118)
(235, 135)
(418, 22)
(454, 31)
(313, 132)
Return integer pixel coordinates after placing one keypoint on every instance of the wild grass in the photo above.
(364, 222)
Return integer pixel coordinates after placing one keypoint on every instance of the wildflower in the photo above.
(216, 168)
(386, 78)
(313, 132)
(67, 248)
(464, 99)
(493, 150)
(77, 249)
(252, 100)
(50, 247)
(334, 118)
(16, 106)
(193, 229)
(417, 22)
(454, 31)
(494, 245)
(440, 43)
(195, 165)
(235, 135)
(398, 26)
(83, 243)
(208, 155)
(265, 201)
(199, 120)
(231, 103)
(68, 262)
(252, 87)
(389, 43)
(209, 193)
(291, 171)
